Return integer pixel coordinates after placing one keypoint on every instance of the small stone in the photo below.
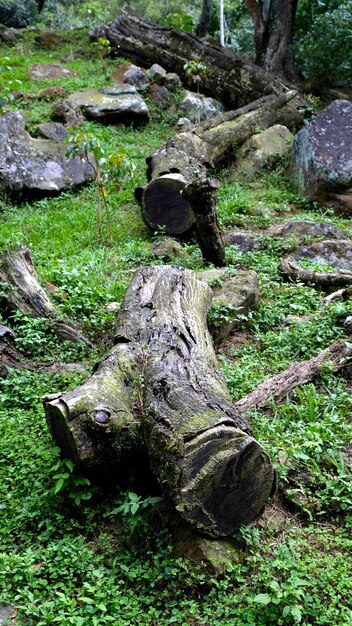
(159, 95)
(52, 93)
(157, 74)
(166, 248)
(49, 40)
(183, 124)
(116, 104)
(67, 113)
(10, 35)
(215, 555)
(336, 253)
(199, 108)
(137, 77)
(21, 95)
(172, 81)
(43, 71)
(244, 241)
(51, 130)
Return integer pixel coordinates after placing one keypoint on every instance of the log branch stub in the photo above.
(201, 195)
(22, 291)
(200, 447)
(278, 388)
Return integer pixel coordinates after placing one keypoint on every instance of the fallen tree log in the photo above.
(278, 388)
(290, 269)
(228, 77)
(189, 155)
(159, 387)
(21, 291)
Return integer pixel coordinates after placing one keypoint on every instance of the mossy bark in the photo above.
(160, 385)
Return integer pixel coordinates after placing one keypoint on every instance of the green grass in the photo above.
(65, 559)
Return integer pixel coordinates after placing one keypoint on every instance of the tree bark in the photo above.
(22, 291)
(290, 269)
(160, 385)
(205, 17)
(229, 77)
(273, 22)
(189, 155)
(201, 195)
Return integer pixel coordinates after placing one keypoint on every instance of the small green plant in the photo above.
(103, 48)
(196, 72)
(130, 506)
(87, 147)
(67, 480)
(92, 12)
(180, 21)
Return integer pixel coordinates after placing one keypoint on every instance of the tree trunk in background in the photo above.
(204, 20)
(273, 22)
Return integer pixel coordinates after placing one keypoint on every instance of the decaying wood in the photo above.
(160, 387)
(21, 291)
(277, 388)
(201, 195)
(229, 77)
(323, 279)
(190, 155)
(11, 358)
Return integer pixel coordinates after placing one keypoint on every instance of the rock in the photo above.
(172, 81)
(137, 77)
(183, 124)
(322, 157)
(166, 248)
(21, 95)
(50, 130)
(334, 253)
(35, 167)
(303, 229)
(215, 555)
(52, 93)
(120, 103)
(235, 292)
(159, 95)
(67, 113)
(10, 35)
(198, 107)
(244, 241)
(43, 71)
(262, 150)
(157, 74)
(49, 40)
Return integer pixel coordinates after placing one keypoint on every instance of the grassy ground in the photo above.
(65, 559)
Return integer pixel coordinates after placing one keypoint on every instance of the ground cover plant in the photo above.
(72, 553)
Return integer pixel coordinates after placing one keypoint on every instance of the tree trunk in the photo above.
(22, 291)
(189, 156)
(201, 195)
(161, 385)
(204, 20)
(229, 77)
(273, 22)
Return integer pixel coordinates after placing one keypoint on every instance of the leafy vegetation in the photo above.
(72, 553)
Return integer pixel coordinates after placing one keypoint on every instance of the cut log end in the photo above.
(163, 206)
(227, 479)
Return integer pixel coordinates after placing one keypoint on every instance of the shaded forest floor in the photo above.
(65, 558)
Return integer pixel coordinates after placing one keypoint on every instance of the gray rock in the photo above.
(262, 150)
(183, 124)
(235, 292)
(198, 107)
(43, 71)
(159, 95)
(67, 113)
(334, 253)
(35, 166)
(172, 81)
(322, 157)
(10, 35)
(157, 74)
(51, 130)
(166, 248)
(120, 103)
(137, 77)
(244, 241)
(303, 229)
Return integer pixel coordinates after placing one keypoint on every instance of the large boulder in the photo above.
(262, 150)
(322, 157)
(32, 167)
(120, 103)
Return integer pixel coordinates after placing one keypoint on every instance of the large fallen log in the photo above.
(228, 76)
(160, 385)
(21, 291)
(189, 155)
